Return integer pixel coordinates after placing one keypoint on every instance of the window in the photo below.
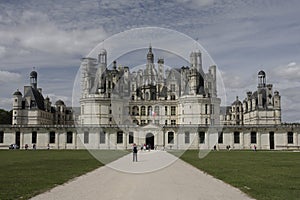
(173, 97)
(201, 137)
(253, 138)
(130, 139)
(212, 110)
(86, 137)
(172, 87)
(52, 137)
(290, 137)
(186, 137)
(156, 110)
(143, 122)
(132, 97)
(173, 110)
(1, 136)
(102, 137)
(206, 108)
(143, 111)
(166, 122)
(220, 138)
(149, 110)
(82, 109)
(166, 110)
(173, 122)
(33, 137)
(170, 138)
(236, 137)
(120, 137)
(69, 137)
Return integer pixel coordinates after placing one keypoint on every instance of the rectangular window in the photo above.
(166, 122)
(166, 110)
(201, 137)
(173, 122)
(206, 108)
(212, 110)
(290, 137)
(143, 122)
(236, 137)
(186, 137)
(82, 109)
(86, 137)
(130, 139)
(120, 137)
(52, 137)
(69, 137)
(33, 137)
(1, 136)
(172, 87)
(170, 138)
(173, 110)
(102, 137)
(253, 138)
(220, 139)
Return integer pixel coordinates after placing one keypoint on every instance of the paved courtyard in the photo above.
(156, 175)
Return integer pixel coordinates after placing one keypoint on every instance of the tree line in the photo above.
(5, 117)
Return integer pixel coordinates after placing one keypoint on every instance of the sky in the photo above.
(242, 37)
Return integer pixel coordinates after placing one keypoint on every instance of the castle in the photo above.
(174, 108)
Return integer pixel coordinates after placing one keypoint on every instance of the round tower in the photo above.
(17, 104)
(33, 79)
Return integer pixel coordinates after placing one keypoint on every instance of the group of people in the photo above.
(34, 146)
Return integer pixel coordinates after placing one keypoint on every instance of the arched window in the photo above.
(149, 110)
(156, 110)
(135, 110)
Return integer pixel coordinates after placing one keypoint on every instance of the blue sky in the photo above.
(242, 37)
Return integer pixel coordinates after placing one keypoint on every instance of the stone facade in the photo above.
(159, 106)
(33, 109)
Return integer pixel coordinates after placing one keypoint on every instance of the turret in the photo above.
(33, 79)
(17, 104)
(261, 79)
(150, 56)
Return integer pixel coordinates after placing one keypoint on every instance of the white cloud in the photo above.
(6, 103)
(289, 72)
(6, 76)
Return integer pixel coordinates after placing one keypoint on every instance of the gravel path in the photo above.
(178, 180)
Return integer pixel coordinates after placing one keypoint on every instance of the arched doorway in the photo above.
(150, 140)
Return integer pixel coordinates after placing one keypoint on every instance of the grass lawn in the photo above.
(25, 174)
(262, 174)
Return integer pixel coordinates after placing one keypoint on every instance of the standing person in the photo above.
(48, 146)
(254, 147)
(134, 151)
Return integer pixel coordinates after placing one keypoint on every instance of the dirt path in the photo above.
(179, 180)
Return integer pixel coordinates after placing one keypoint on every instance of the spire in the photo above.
(150, 56)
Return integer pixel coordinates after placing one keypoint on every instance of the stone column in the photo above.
(125, 136)
(74, 140)
(206, 141)
(296, 138)
(97, 135)
(258, 140)
(21, 140)
(242, 140)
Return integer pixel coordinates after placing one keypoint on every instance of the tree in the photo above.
(5, 117)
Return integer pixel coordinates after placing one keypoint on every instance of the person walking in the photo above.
(134, 151)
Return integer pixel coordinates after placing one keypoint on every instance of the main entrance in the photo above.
(150, 140)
